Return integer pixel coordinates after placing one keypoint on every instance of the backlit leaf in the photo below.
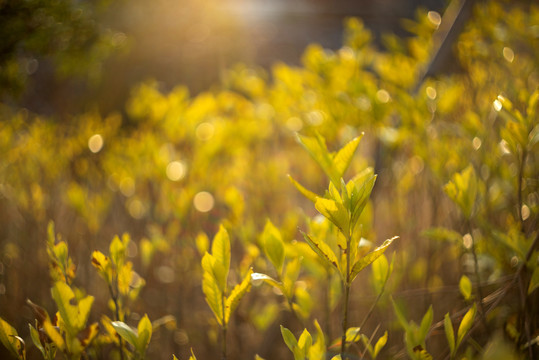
(126, 332)
(449, 333)
(382, 341)
(8, 337)
(370, 257)
(273, 245)
(465, 286)
(236, 294)
(144, 334)
(465, 325)
(322, 249)
(426, 322)
(220, 249)
(316, 147)
(344, 156)
(307, 193)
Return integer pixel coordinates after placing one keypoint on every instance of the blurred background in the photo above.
(164, 119)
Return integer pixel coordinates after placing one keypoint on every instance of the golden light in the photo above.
(203, 201)
(467, 240)
(176, 170)
(95, 143)
(476, 143)
(205, 131)
(127, 186)
(508, 54)
(435, 18)
(497, 105)
(431, 92)
(294, 124)
(383, 96)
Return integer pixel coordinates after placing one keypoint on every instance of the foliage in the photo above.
(457, 162)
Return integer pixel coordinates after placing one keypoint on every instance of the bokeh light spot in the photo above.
(127, 186)
(467, 241)
(383, 96)
(431, 92)
(136, 209)
(203, 201)
(165, 274)
(176, 170)
(508, 54)
(205, 131)
(525, 212)
(497, 105)
(476, 143)
(435, 18)
(294, 124)
(95, 143)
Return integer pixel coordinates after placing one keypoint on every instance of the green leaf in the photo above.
(291, 342)
(465, 325)
(213, 295)
(126, 332)
(400, 316)
(382, 341)
(34, 335)
(117, 249)
(335, 212)
(449, 333)
(465, 286)
(273, 245)
(290, 276)
(10, 339)
(462, 189)
(144, 334)
(216, 270)
(316, 147)
(344, 157)
(322, 249)
(370, 257)
(74, 316)
(534, 281)
(220, 249)
(426, 322)
(237, 293)
(305, 342)
(307, 193)
(318, 349)
(380, 273)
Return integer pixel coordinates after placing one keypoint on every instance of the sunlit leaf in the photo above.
(126, 332)
(220, 249)
(344, 156)
(213, 296)
(426, 322)
(273, 245)
(307, 193)
(144, 334)
(465, 325)
(236, 294)
(370, 257)
(382, 341)
(465, 286)
(334, 212)
(316, 147)
(9, 338)
(449, 333)
(322, 249)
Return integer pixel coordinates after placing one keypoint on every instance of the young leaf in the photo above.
(370, 257)
(305, 342)
(237, 293)
(382, 341)
(220, 249)
(74, 316)
(307, 193)
(213, 295)
(54, 335)
(290, 341)
(318, 349)
(322, 249)
(465, 286)
(465, 325)
(273, 245)
(10, 339)
(462, 189)
(426, 322)
(335, 212)
(344, 156)
(290, 276)
(449, 333)
(257, 278)
(144, 334)
(126, 332)
(316, 147)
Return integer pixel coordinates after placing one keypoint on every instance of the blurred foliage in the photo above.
(457, 180)
(64, 34)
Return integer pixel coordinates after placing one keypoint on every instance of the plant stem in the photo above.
(346, 297)
(224, 327)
